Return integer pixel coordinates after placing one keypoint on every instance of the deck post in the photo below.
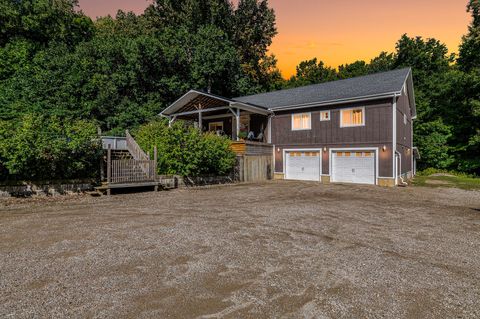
(155, 158)
(237, 119)
(269, 129)
(200, 124)
(109, 168)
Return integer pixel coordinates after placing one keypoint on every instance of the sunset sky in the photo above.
(339, 32)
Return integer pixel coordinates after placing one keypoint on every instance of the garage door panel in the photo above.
(353, 167)
(302, 165)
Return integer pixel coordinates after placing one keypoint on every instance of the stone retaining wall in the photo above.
(26, 189)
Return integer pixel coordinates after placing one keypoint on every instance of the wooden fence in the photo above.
(254, 161)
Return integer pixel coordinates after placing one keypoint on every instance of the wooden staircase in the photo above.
(129, 166)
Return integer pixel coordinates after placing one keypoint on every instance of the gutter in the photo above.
(340, 101)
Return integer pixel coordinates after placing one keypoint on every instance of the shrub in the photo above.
(45, 148)
(184, 150)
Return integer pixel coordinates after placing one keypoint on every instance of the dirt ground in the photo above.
(275, 250)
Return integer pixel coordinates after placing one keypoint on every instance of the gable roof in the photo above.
(194, 101)
(378, 85)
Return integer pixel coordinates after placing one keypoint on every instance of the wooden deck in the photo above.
(251, 148)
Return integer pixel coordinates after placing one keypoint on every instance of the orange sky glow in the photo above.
(339, 32)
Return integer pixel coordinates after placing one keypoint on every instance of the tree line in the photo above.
(115, 73)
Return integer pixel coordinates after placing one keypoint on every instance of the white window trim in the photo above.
(216, 124)
(405, 119)
(327, 111)
(352, 108)
(302, 129)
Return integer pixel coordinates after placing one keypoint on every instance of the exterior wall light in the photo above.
(278, 149)
(325, 149)
(384, 148)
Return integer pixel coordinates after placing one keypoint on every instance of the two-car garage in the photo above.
(346, 166)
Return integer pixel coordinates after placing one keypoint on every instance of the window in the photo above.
(215, 126)
(352, 117)
(325, 116)
(405, 119)
(301, 121)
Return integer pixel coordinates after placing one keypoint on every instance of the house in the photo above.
(357, 130)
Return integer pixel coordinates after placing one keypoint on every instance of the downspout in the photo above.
(399, 177)
(394, 137)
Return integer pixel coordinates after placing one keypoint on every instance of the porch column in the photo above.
(237, 120)
(171, 119)
(200, 125)
(269, 129)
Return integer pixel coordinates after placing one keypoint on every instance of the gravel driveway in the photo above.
(275, 250)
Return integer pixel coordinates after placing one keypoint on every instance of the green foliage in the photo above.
(184, 150)
(435, 171)
(45, 148)
(311, 72)
(432, 140)
(439, 178)
(469, 57)
(42, 21)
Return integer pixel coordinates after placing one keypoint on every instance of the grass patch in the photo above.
(462, 182)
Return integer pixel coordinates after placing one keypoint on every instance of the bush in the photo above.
(184, 150)
(46, 148)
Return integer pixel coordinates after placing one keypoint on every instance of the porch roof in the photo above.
(194, 102)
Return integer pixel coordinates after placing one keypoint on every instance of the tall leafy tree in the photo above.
(312, 72)
(42, 21)
(214, 59)
(357, 68)
(469, 57)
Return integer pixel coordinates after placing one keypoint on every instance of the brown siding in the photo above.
(377, 132)
(404, 133)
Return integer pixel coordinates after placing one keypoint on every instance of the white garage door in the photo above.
(353, 167)
(302, 165)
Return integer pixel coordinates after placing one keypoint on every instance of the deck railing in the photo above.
(135, 149)
(132, 171)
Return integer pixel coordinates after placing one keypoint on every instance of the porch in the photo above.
(212, 113)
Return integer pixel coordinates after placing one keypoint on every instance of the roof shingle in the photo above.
(362, 86)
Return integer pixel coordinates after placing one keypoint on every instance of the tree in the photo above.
(42, 21)
(432, 140)
(255, 29)
(383, 62)
(214, 59)
(312, 72)
(45, 148)
(428, 58)
(469, 57)
(184, 150)
(357, 68)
